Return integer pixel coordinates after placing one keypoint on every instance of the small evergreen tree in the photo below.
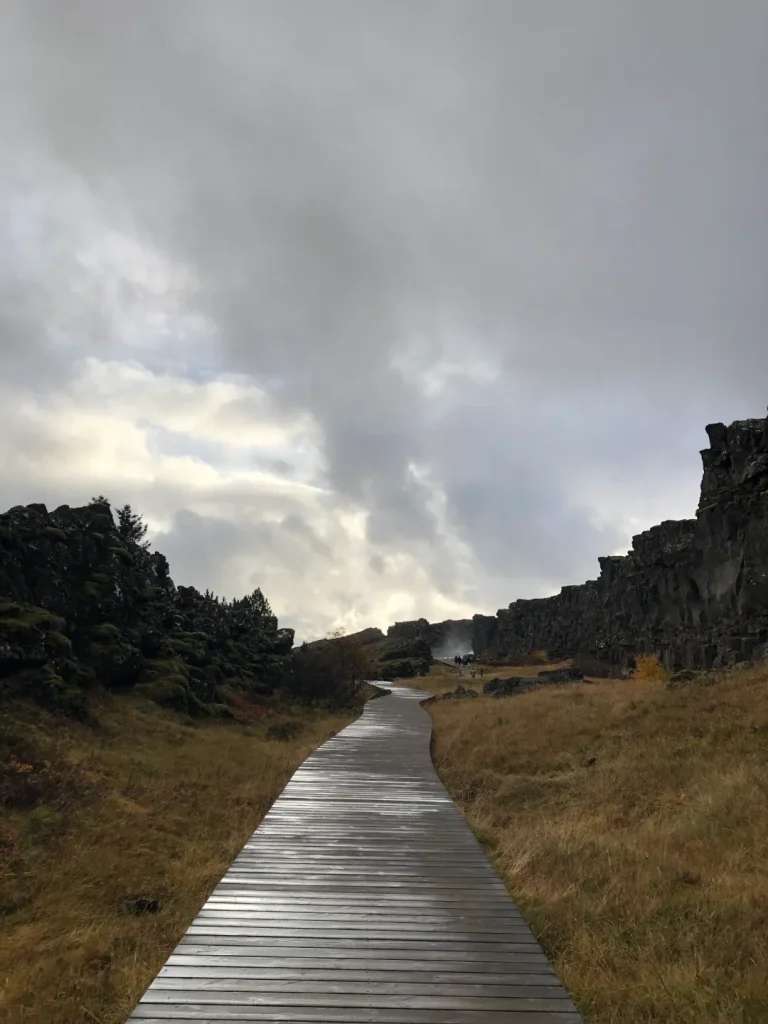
(259, 606)
(131, 526)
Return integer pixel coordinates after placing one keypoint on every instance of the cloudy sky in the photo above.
(392, 308)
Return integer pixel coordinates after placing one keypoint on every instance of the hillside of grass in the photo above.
(630, 823)
(137, 802)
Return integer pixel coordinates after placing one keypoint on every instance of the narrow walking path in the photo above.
(362, 897)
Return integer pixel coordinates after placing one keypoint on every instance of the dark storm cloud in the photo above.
(564, 203)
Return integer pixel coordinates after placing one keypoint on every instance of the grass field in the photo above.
(444, 677)
(630, 822)
(141, 803)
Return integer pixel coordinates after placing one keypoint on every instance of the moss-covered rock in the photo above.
(28, 616)
(15, 657)
(153, 644)
(48, 688)
(58, 648)
(24, 637)
(163, 668)
(192, 647)
(115, 662)
(78, 673)
(106, 631)
(170, 692)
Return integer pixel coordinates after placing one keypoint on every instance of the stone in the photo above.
(142, 905)
(460, 693)
(561, 675)
(511, 685)
(685, 675)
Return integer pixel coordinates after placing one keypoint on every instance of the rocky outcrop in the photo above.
(409, 647)
(511, 685)
(84, 603)
(460, 693)
(404, 652)
(434, 639)
(693, 592)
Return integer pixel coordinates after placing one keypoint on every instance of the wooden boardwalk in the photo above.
(362, 897)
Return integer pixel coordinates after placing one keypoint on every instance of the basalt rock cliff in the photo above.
(83, 603)
(694, 592)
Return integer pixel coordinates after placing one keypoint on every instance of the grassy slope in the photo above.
(142, 803)
(630, 823)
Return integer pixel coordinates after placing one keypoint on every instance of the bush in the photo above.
(648, 666)
(330, 670)
(285, 730)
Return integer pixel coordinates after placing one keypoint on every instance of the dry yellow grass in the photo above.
(444, 677)
(142, 804)
(630, 823)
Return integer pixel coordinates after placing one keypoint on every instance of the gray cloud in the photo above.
(509, 257)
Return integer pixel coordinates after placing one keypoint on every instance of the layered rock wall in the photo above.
(694, 592)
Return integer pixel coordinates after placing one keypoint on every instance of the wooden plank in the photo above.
(370, 927)
(266, 957)
(363, 898)
(376, 988)
(361, 946)
(158, 994)
(212, 967)
(449, 916)
(303, 1015)
(345, 939)
(201, 1013)
(356, 950)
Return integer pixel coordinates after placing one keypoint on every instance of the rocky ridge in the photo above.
(693, 592)
(402, 653)
(83, 603)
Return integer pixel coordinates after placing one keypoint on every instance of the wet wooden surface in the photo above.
(362, 897)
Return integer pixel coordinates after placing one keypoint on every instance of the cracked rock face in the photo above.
(694, 592)
(81, 605)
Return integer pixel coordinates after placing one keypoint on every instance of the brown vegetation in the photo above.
(629, 822)
(648, 667)
(139, 803)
